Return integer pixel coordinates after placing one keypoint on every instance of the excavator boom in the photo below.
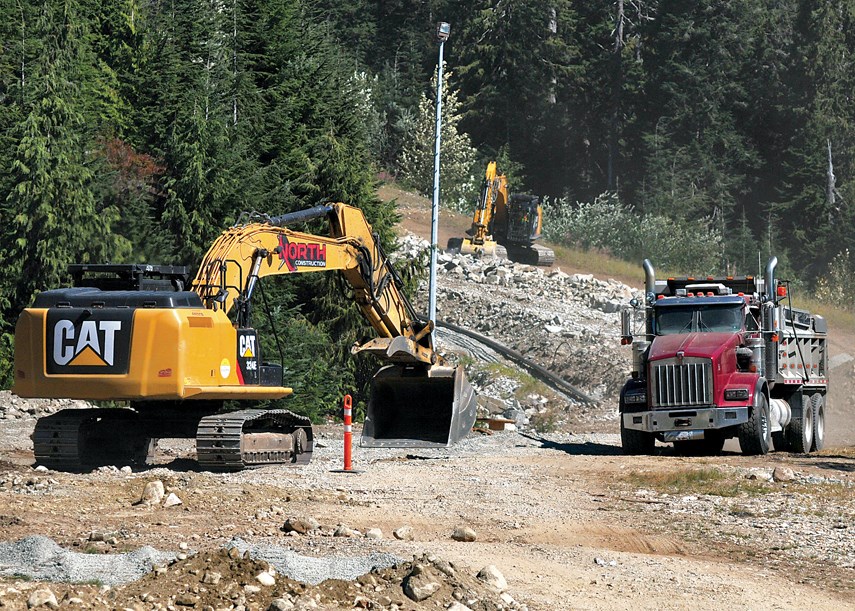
(417, 401)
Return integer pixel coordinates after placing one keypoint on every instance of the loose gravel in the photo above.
(38, 557)
(311, 570)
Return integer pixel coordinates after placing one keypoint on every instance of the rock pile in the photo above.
(568, 324)
(15, 408)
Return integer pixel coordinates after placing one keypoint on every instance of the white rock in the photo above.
(172, 500)
(404, 533)
(43, 597)
(493, 577)
(266, 579)
(464, 533)
(152, 493)
(374, 533)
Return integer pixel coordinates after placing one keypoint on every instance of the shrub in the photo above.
(607, 224)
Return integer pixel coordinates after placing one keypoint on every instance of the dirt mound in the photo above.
(227, 579)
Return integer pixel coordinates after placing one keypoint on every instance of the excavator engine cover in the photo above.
(414, 407)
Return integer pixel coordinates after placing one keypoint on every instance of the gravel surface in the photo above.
(313, 570)
(39, 557)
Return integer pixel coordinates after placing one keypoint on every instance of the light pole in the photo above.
(443, 30)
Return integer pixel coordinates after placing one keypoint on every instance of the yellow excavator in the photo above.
(133, 333)
(503, 225)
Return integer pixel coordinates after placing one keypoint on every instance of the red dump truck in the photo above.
(721, 358)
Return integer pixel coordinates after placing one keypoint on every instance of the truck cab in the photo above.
(721, 358)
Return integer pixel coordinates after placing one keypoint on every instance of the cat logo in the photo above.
(87, 341)
(246, 347)
(94, 344)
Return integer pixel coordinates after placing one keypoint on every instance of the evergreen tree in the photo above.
(53, 218)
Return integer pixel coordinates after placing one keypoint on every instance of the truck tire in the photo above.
(779, 440)
(800, 430)
(635, 443)
(755, 436)
(817, 402)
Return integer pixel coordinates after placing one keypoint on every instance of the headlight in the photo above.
(736, 394)
(635, 398)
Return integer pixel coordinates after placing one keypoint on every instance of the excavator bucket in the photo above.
(413, 407)
(468, 247)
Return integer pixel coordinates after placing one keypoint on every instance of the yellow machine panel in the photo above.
(169, 354)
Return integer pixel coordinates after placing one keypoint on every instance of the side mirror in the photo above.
(626, 327)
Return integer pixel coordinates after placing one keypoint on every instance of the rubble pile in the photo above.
(13, 407)
(568, 324)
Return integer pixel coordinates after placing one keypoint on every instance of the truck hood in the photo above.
(703, 345)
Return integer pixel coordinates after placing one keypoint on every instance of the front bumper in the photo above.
(678, 422)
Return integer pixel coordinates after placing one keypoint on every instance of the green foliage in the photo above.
(607, 224)
(53, 218)
(702, 480)
(457, 157)
(837, 286)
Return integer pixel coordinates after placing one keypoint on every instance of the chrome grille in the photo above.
(678, 384)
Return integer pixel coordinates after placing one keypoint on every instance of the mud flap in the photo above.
(415, 407)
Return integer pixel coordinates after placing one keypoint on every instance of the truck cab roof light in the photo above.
(710, 294)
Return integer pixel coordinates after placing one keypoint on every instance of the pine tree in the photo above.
(53, 218)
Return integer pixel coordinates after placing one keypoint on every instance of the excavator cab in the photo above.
(418, 407)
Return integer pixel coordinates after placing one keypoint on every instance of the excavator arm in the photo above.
(416, 401)
(246, 253)
(494, 188)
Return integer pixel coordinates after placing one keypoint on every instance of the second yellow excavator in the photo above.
(133, 333)
(504, 225)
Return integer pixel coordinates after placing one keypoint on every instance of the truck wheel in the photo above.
(636, 442)
(800, 430)
(817, 401)
(755, 436)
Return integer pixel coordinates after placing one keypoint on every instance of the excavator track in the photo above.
(79, 439)
(253, 438)
(543, 256)
(536, 254)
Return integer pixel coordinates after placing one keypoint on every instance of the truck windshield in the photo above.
(698, 318)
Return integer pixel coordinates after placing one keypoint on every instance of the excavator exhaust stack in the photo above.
(414, 407)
